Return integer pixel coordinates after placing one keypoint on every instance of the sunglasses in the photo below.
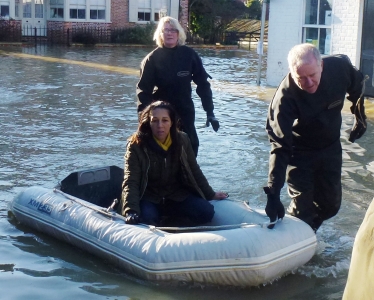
(171, 30)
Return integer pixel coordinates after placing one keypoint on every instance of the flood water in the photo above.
(69, 109)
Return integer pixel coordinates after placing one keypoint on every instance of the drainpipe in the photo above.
(260, 45)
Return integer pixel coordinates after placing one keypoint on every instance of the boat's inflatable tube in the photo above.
(361, 271)
(240, 253)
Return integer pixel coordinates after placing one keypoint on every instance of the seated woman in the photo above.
(162, 177)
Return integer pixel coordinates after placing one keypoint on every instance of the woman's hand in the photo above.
(220, 196)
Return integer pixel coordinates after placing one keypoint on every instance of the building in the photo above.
(334, 26)
(106, 14)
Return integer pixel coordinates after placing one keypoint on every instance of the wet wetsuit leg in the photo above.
(314, 184)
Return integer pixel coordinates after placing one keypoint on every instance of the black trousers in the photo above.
(188, 126)
(314, 184)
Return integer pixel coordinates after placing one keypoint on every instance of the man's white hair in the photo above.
(302, 54)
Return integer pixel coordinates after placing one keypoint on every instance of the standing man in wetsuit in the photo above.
(166, 74)
(303, 124)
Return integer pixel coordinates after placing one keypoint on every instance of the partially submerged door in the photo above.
(33, 21)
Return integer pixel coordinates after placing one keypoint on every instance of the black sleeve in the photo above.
(355, 89)
(280, 119)
(146, 84)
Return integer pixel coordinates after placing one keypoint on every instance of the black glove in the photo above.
(274, 207)
(358, 129)
(359, 126)
(131, 217)
(212, 120)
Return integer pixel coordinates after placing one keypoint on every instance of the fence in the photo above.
(239, 37)
(94, 35)
(10, 31)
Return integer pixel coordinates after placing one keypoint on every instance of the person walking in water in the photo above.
(303, 124)
(166, 74)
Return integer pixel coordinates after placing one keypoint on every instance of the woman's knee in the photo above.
(149, 213)
(206, 213)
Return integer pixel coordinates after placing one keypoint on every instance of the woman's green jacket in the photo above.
(137, 164)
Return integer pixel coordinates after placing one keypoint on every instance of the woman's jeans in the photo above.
(196, 209)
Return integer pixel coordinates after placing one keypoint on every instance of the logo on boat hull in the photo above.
(43, 207)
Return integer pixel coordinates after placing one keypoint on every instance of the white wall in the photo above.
(285, 31)
(347, 28)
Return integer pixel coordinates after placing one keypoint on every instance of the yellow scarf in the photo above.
(166, 144)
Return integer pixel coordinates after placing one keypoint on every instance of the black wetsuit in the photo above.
(304, 131)
(166, 74)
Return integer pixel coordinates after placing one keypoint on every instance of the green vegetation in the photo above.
(135, 35)
(209, 19)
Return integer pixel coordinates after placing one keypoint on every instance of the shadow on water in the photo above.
(59, 117)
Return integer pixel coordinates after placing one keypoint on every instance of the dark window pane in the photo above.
(73, 14)
(38, 11)
(4, 10)
(101, 14)
(311, 7)
(81, 13)
(312, 36)
(325, 12)
(93, 14)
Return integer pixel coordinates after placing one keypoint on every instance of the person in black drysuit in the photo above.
(166, 74)
(303, 125)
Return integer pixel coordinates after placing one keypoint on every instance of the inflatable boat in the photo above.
(235, 249)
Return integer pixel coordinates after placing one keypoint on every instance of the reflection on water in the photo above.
(63, 114)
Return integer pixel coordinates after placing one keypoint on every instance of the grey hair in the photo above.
(302, 54)
(158, 36)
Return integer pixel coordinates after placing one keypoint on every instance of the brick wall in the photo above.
(61, 32)
(119, 19)
(120, 13)
(183, 13)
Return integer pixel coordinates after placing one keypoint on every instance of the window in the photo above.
(160, 9)
(78, 9)
(144, 10)
(97, 14)
(27, 8)
(97, 9)
(56, 9)
(4, 10)
(76, 13)
(57, 13)
(144, 16)
(317, 24)
(39, 9)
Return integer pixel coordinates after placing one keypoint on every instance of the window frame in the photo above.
(78, 10)
(2, 8)
(97, 10)
(56, 9)
(318, 34)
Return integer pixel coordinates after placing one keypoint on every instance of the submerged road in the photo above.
(122, 70)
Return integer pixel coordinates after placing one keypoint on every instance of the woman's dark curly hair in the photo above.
(144, 131)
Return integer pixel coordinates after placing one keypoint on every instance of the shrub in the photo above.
(135, 35)
(84, 37)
